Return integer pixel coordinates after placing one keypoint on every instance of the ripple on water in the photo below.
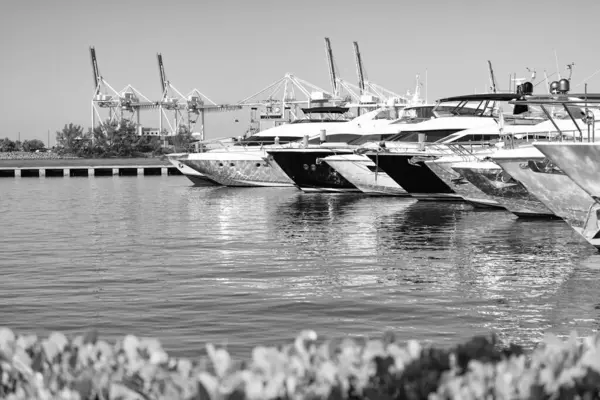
(249, 266)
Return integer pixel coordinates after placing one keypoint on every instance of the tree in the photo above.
(70, 138)
(183, 139)
(7, 145)
(33, 145)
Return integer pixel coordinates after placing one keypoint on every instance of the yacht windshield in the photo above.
(415, 114)
(336, 138)
(371, 138)
(257, 140)
(430, 136)
(461, 137)
(312, 120)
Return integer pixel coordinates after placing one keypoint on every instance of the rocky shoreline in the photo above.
(49, 160)
(87, 367)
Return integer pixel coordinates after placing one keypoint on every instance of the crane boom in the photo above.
(492, 78)
(332, 76)
(161, 70)
(359, 69)
(95, 67)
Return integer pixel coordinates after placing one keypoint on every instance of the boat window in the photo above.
(471, 138)
(336, 138)
(311, 120)
(383, 114)
(414, 114)
(257, 140)
(450, 138)
(371, 138)
(430, 136)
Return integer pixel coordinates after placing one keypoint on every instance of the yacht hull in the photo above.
(559, 193)
(362, 173)
(579, 161)
(511, 194)
(414, 177)
(241, 170)
(308, 171)
(464, 188)
(194, 176)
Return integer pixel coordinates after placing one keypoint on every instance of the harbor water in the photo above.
(154, 256)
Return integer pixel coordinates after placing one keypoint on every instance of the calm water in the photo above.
(156, 257)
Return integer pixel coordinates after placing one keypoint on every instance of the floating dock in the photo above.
(86, 167)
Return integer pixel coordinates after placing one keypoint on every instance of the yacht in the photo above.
(360, 171)
(245, 163)
(517, 187)
(306, 163)
(441, 165)
(492, 180)
(553, 188)
(579, 161)
(546, 180)
(475, 122)
(196, 177)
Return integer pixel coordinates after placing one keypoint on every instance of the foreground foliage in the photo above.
(85, 367)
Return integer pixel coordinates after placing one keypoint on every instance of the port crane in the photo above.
(123, 106)
(344, 92)
(185, 110)
(493, 86)
(372, 94)
(280, 102)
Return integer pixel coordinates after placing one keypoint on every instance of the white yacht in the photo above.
(546, 180)
(196, 177)
(362, 172)
(473, 121)
(305, 163)
(246, 163)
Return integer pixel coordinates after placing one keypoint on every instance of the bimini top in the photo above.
(558, 99)
(325, 109)
(481, 105)
(482, 96)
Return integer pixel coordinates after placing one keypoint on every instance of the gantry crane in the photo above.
(493, 86)
(279, 102)
(372, 94)
(123, 106)
(352, 92)
(186, 110)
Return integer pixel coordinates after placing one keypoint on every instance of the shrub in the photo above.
(86, 367)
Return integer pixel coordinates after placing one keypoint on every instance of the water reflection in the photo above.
(256, 265)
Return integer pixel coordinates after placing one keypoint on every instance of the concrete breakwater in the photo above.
(85, 167)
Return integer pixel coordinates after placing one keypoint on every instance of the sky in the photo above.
(230, 49)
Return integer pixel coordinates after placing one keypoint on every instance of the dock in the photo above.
(81, 167)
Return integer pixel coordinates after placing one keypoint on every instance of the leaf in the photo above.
(7, 339)
(207, 386)
(220, 358)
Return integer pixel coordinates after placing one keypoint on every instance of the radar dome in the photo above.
(563, 86)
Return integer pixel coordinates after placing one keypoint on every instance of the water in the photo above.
(156, 257)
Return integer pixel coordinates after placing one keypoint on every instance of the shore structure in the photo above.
(83, 167)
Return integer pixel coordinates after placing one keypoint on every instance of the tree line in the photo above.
(111, 140)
